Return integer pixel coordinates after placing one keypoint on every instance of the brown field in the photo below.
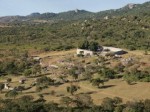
(112, 88)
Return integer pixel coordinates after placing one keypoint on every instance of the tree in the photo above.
(44, 81)
(41, 98)
(84, 44)
(147, 105)
(119, 67)
(1, 87)
(93, 46)
(27, 98)
(36, 69)
(27, 72)
(66, 101)
(74, 72)
(117, 100)
(119, 108)
(53, 92)
(108, 104)
(25, 54)
(20, 88)
(83, 100)
(108, 73)
(9, 80)
(96, 82)
(39, 88)
(72, 88)
(130, 78)
(11, 93)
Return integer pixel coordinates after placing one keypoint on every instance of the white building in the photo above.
(114, 50)
(103, 50)
(84, 52)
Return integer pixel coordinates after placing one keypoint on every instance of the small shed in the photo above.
(84, 52)
(22, 80)
(116, 51)
(37, 58)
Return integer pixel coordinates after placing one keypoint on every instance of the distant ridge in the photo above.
(131, 9)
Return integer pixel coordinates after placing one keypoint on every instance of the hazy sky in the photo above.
(25, 7)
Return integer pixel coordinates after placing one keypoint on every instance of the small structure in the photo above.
(6, 86)
(22, 80)
(116, 51)
(53, 66)
(106, 18)
(84, 52)
(127, 61)
(103, 50)
(37, 58)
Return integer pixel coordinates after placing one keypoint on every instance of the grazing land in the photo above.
(112, 88)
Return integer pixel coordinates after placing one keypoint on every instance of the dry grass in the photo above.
(112, 88)
(119, 88)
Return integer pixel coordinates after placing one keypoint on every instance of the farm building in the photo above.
(37, 58)
(104, 50)
(84, 52)
(114, 50)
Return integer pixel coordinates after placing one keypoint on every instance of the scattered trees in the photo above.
(66, 101)
(11, 93)
(96, 82)
(93, 46)
(43, 82)
(72, 89)
(83, 100)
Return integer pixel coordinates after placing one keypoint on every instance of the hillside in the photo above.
(131, 32)
(130, 29)
(130, 9)
(76, 61)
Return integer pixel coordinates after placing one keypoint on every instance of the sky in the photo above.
(26, 7)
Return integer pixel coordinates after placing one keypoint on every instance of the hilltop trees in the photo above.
(126, 31)
(92, 45)
(19, 66)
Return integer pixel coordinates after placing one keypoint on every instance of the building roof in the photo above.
(113, 49)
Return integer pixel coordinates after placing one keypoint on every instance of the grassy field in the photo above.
(112, 88)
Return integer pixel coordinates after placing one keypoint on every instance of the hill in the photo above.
(130, 9)
(130, 29)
